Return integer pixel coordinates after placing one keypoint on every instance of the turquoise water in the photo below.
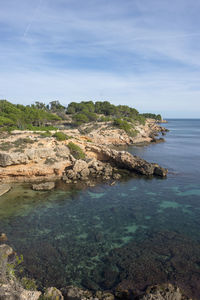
(136, 233)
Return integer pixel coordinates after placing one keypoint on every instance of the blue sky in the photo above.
(143, 53)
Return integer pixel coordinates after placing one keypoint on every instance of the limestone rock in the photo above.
(79, 166)
(11, 292)
(46, 186)
(75, 293)
(12, 159)
(166, 292)
(10, 288)
(53, 293)
(125, 160)
(3, 237)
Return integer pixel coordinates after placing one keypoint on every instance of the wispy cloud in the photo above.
(32, 18)
(144, 53)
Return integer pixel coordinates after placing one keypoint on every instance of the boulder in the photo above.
(53, 293)
(164, 292)
(10, 288)
(75, 293)
(80, 165)
(12, 159)
(46, 186)
(3, 237)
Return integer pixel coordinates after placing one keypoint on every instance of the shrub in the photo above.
(60, 136)
(40, 128)
(46, 134)
(29, 284)
(127, 127)
(76, 151)
(122, 124)
(80, 119)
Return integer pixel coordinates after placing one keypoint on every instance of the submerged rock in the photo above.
(4, 188)
(46, 186)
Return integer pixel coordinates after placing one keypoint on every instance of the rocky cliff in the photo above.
(29, 156)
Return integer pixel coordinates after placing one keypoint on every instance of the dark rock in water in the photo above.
(160, 140)
(46, 186)
(159, 171)
(110, 277)
(90, 284)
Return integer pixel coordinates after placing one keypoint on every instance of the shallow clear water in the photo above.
(136, 233)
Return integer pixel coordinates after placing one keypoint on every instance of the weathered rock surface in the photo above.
(125, 160)
(3, 237)
(53, 294)
(46, 186)
(165, 292)
(45, 159)
(92, 168)
(10, 288)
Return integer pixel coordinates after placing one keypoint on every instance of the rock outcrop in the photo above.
(10, 287)
(90, 169)
(45, 186)
(125, 160)
(164, 292)
(30, 157)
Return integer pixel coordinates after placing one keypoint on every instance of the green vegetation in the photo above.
(60, 136)
(152, 116)
(126, 126)
(40, 128)
(29, 284)
(41, 117)
(76, 151)
(20, 144)
(88, 111)
(13, 267)
(46, 134)
(23, 117)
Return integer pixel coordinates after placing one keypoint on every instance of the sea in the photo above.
(136, 233)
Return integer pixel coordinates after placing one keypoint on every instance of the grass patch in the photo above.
(46, 134)
(60, 136)
(76, 151)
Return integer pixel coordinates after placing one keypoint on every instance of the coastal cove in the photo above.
(136, 233)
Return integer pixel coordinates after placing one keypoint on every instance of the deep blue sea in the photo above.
(136, 233)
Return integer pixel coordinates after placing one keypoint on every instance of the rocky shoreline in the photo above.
(14, 288)
(31, 157)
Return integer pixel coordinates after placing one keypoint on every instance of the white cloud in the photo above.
(142, 51)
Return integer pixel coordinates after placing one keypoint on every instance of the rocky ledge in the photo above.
(31, 157)
(13, 288)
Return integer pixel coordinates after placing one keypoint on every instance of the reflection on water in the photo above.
(133, 234)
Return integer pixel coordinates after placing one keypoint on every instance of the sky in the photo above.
(142, 53)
